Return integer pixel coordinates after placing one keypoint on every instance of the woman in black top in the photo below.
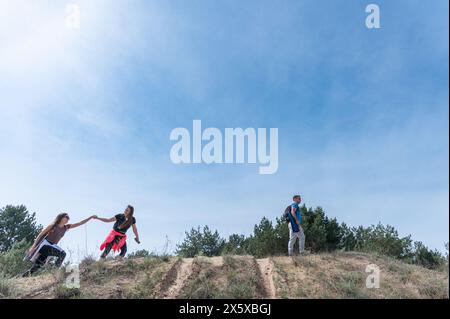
(116, 239)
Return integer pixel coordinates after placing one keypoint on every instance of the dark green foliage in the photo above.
(426, 257)
(333, 234)
(201, 242)
(383, 240)
(347, 237)
(235, 245)
(322, 234)
(282, 235)
(17, 224)
(315, 230)
(263, 242)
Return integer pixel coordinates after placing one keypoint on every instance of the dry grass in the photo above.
(8, 289)
(130, 278)
(331, 275)
(231, 277)
(343, 275)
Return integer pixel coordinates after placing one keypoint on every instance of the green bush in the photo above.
(142, 253)
(383, 240)
(235, 245)
(426, 257)
(201, 243)
(11, 261)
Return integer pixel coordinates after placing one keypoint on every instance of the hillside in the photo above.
(330, 275)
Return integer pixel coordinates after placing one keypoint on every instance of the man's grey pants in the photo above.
(292, 239)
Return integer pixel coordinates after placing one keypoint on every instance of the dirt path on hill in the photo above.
(176, 278)
(266, 269)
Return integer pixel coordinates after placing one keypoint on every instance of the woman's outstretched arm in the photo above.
(84, 221)
(106, 220)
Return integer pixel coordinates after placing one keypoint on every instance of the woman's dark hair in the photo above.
(129, 220)
(59, 218)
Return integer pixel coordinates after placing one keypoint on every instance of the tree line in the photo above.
(18, 228)
(323, 234)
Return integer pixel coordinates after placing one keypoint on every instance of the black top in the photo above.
(120, 219)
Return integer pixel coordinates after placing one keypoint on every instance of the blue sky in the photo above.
(362, 114)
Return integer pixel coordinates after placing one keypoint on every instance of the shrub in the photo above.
(201, 242)
(87, 261)
(12, 261)
(426, 257)
(383, 240)
(235, 245)
(139, 253)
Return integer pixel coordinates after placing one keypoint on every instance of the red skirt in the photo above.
(116, 246)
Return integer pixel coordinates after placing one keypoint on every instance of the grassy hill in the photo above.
(327, 275)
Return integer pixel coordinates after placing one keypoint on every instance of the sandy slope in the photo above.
(335, 275)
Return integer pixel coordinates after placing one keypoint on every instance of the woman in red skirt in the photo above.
(117, 238)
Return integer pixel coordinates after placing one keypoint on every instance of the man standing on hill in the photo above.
(295, 229)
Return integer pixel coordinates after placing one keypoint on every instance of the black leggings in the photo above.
(45, 252)
(109, 246)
